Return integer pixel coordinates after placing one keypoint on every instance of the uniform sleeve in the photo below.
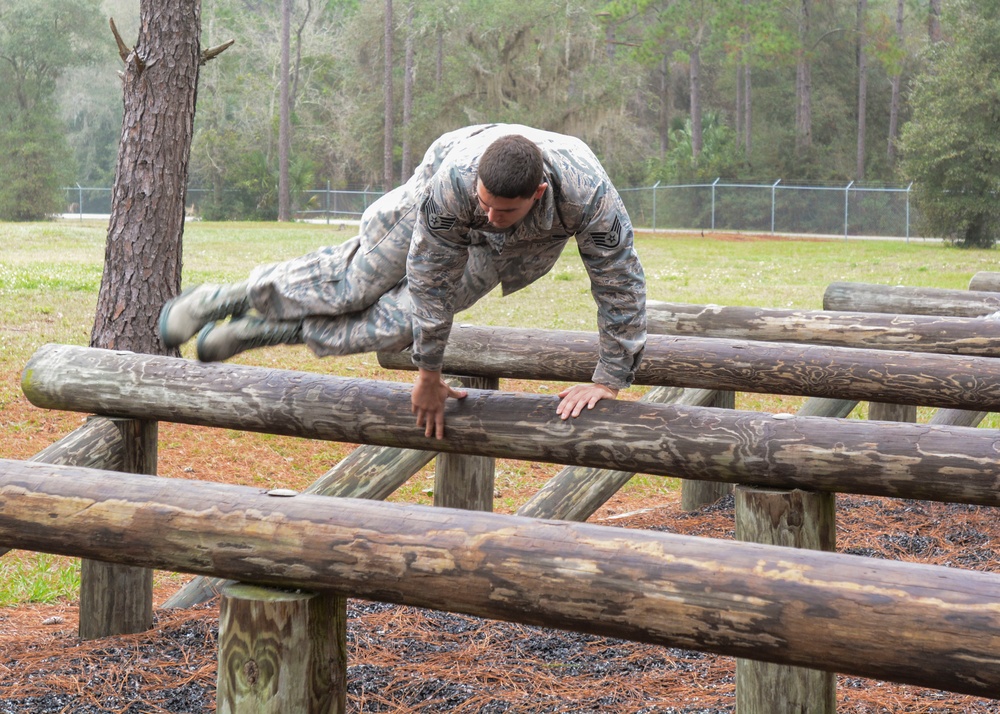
(618, 285)
(435, 264)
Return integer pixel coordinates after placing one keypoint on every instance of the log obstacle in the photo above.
(904, 300)
(985, 281)
(938, 463)
(924, 625)
(877, 331)
(893, 376)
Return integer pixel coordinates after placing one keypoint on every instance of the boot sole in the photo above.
(165, 315)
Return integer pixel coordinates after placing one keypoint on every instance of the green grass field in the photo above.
(50, 274)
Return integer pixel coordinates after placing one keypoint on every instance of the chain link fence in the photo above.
(849, 210)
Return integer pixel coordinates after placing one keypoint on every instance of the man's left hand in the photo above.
(578, 397)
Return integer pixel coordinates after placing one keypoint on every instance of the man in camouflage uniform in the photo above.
(489, 205)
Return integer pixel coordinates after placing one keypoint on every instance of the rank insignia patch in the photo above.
(609, 239)
(436, 220)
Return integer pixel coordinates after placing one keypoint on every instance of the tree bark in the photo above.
(142, 261)
(696, 125)
(388, 180)
(803, 82)
(284, 115)
(862, 89)
(408, 70)
(934, 21)
(896, 81)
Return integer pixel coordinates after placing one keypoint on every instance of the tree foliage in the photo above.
(951, 147)
(39, 42)
(666, 89)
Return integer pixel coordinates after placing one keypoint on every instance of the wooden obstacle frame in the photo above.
(148, 389)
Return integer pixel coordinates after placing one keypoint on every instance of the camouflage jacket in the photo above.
(580, 201)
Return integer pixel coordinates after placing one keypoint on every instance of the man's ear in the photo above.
(539, 191)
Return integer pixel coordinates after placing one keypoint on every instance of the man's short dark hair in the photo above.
(511, 167)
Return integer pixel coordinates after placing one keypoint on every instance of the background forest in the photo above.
(674, 91)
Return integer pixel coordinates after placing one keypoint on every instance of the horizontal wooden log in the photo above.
(892, 376)
(373, 472)
(878, 331)
(98, 444)
(576, 492)
(985, 281)
(925, 625)
(905, 300)
(838, 455)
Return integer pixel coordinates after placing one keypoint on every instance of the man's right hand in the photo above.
(430, 392)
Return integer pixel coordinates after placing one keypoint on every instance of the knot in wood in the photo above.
(251, 671)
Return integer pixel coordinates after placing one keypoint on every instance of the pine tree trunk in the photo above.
(284, 115)
(896, 80)
(803, 85)
(408, 96)
(387, 173)
(696, 129)
(142, 263)
(862, 89)
(934, 21)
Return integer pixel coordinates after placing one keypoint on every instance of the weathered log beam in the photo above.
(937, 463)
(892, 376)
(985, 281)
(904, 300)
(926, 625)
(910, 333)
(98, 444)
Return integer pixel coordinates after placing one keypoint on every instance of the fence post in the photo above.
(118, 599)
(655, 186)
(847, 195)
(773, 187)
(713, 202)
(908, 211)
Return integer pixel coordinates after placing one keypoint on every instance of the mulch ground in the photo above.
(403, 659)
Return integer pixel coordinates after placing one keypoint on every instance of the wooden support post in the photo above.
(281, 651)
(466, 481)
(880, 411)
(118, 599)
(797, 519)
(695, 494)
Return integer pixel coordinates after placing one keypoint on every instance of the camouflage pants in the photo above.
(353, 297)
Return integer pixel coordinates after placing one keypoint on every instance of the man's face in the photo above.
(505, 212)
